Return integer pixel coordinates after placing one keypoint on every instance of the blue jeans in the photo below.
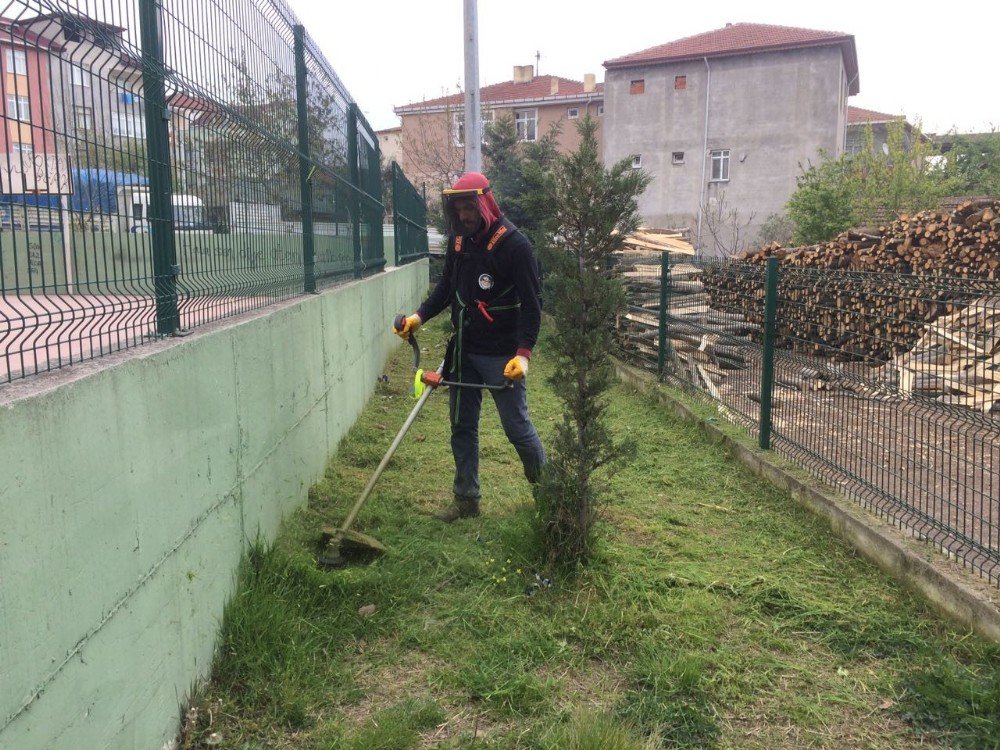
(512, 404)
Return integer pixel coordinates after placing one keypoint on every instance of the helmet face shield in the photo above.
(463, 210)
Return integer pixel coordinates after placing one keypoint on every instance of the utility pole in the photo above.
(473, 116)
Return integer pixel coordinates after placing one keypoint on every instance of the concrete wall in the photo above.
(131, 488)
(772, 111)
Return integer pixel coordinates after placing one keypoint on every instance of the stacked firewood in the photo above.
(884, 294)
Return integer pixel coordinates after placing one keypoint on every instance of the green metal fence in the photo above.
(409, 219)
(885, 385)
(166, 163)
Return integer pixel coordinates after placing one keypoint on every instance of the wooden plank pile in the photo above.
(957, 360)
(893, 282)
(646, 240)
(704, 344)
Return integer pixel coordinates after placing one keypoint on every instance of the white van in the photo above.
(133, 208)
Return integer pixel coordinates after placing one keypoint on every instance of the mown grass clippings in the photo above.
(714, 613)
(952, 701)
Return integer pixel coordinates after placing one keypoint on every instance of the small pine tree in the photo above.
(593, 209)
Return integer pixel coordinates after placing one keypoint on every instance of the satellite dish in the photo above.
(885, 149)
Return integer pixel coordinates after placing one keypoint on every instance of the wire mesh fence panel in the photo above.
(235, 204)
(75, 284)
(166, 164)
(409, 219)
(885, 385)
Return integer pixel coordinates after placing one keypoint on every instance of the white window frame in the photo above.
(83, 117)
(720, 164)
(17, 62)
(18, 108)
(458, 126)
(128, 125)
(25, 149)
(636, 161)
(80, 77)
(676, 157)
(526, 123)
(572, 113)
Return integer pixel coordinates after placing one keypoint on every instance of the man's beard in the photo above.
(468, 229)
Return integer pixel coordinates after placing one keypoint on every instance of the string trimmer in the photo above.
(343, 544)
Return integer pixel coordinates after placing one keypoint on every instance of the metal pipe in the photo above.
(704, 153)
(473, 115)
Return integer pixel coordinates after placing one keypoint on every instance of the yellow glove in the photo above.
(410, 325)
(516, 369)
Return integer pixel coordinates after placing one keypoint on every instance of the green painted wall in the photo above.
(128, 496)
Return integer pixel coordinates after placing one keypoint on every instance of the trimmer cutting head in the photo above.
(342, 548)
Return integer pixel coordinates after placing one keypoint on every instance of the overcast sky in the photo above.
(936, 63)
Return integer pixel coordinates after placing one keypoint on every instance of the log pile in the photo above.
(957, 360)
(894, 280)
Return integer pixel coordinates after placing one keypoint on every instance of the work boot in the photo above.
(461, 508)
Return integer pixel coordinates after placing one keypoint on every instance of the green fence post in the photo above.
(305, 183)
(161, 218)
(664, 308)
(352, 158)
(396, 194)
(767, 366)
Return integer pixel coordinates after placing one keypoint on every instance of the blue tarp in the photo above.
(97, 189)
(94, 190)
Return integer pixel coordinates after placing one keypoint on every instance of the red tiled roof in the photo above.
(13, 34)
(181, 100)
(540, 87)
(742, 39)
(856, 116)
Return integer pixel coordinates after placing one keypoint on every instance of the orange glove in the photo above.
(410, 325)
(517, 368)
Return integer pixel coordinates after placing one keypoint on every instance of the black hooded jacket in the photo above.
(491, 282)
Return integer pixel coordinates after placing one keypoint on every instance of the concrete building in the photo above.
(723, 120)
(432, 132)
(859, 120)
(390, 144)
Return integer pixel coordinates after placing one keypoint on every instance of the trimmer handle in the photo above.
(398, 324)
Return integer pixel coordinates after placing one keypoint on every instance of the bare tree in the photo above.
(435, 156)
(727, 227)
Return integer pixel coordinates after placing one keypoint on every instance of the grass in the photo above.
(716, 614)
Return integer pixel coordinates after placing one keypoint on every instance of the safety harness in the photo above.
(453, 358)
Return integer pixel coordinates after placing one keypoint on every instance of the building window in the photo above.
(84, 118)
(526, 121)
(22, 148)
(677, 157)
(600, 110)
(572, 113)
(680, 83)
(458, 126)
(18, 108)
(17, 62)
(638, 86)
(128, 125)
(637, 161)
(79, 79)
(720, 165)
